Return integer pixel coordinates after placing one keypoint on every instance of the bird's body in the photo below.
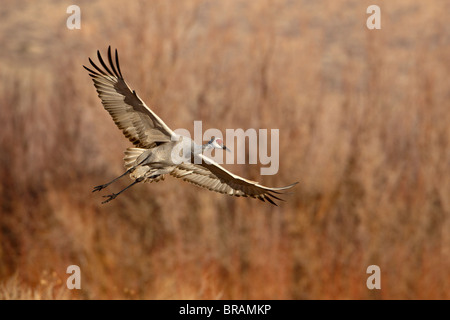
(158, 150)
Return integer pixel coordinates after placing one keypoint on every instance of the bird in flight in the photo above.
(158, 150)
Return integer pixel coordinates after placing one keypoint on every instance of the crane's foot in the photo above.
(100, 187)
(110, 197)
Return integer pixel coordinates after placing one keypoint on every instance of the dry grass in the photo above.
(50, 287)
(364, 125)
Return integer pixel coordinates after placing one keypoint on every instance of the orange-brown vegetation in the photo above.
(364, 119)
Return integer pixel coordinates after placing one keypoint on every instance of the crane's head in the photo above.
(217, 143)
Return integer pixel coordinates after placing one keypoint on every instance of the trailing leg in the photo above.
(102, 186)
(114, 195)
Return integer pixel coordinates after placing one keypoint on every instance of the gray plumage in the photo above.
(158, 150)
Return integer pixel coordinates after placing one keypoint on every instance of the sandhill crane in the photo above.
(152, 157)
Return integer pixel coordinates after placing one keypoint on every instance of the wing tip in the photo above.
(276, 189)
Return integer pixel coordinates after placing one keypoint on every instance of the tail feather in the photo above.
(131, 154)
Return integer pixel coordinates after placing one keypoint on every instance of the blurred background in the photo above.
(364, 126)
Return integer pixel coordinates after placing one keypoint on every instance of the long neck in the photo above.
(206, 146)
(195, 148)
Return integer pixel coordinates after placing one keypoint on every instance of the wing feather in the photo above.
(137, 121)
(210, 175)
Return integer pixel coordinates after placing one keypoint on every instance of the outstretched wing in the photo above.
(210, 175)
(138, 123)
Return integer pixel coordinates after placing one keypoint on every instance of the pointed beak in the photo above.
(225, 148)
